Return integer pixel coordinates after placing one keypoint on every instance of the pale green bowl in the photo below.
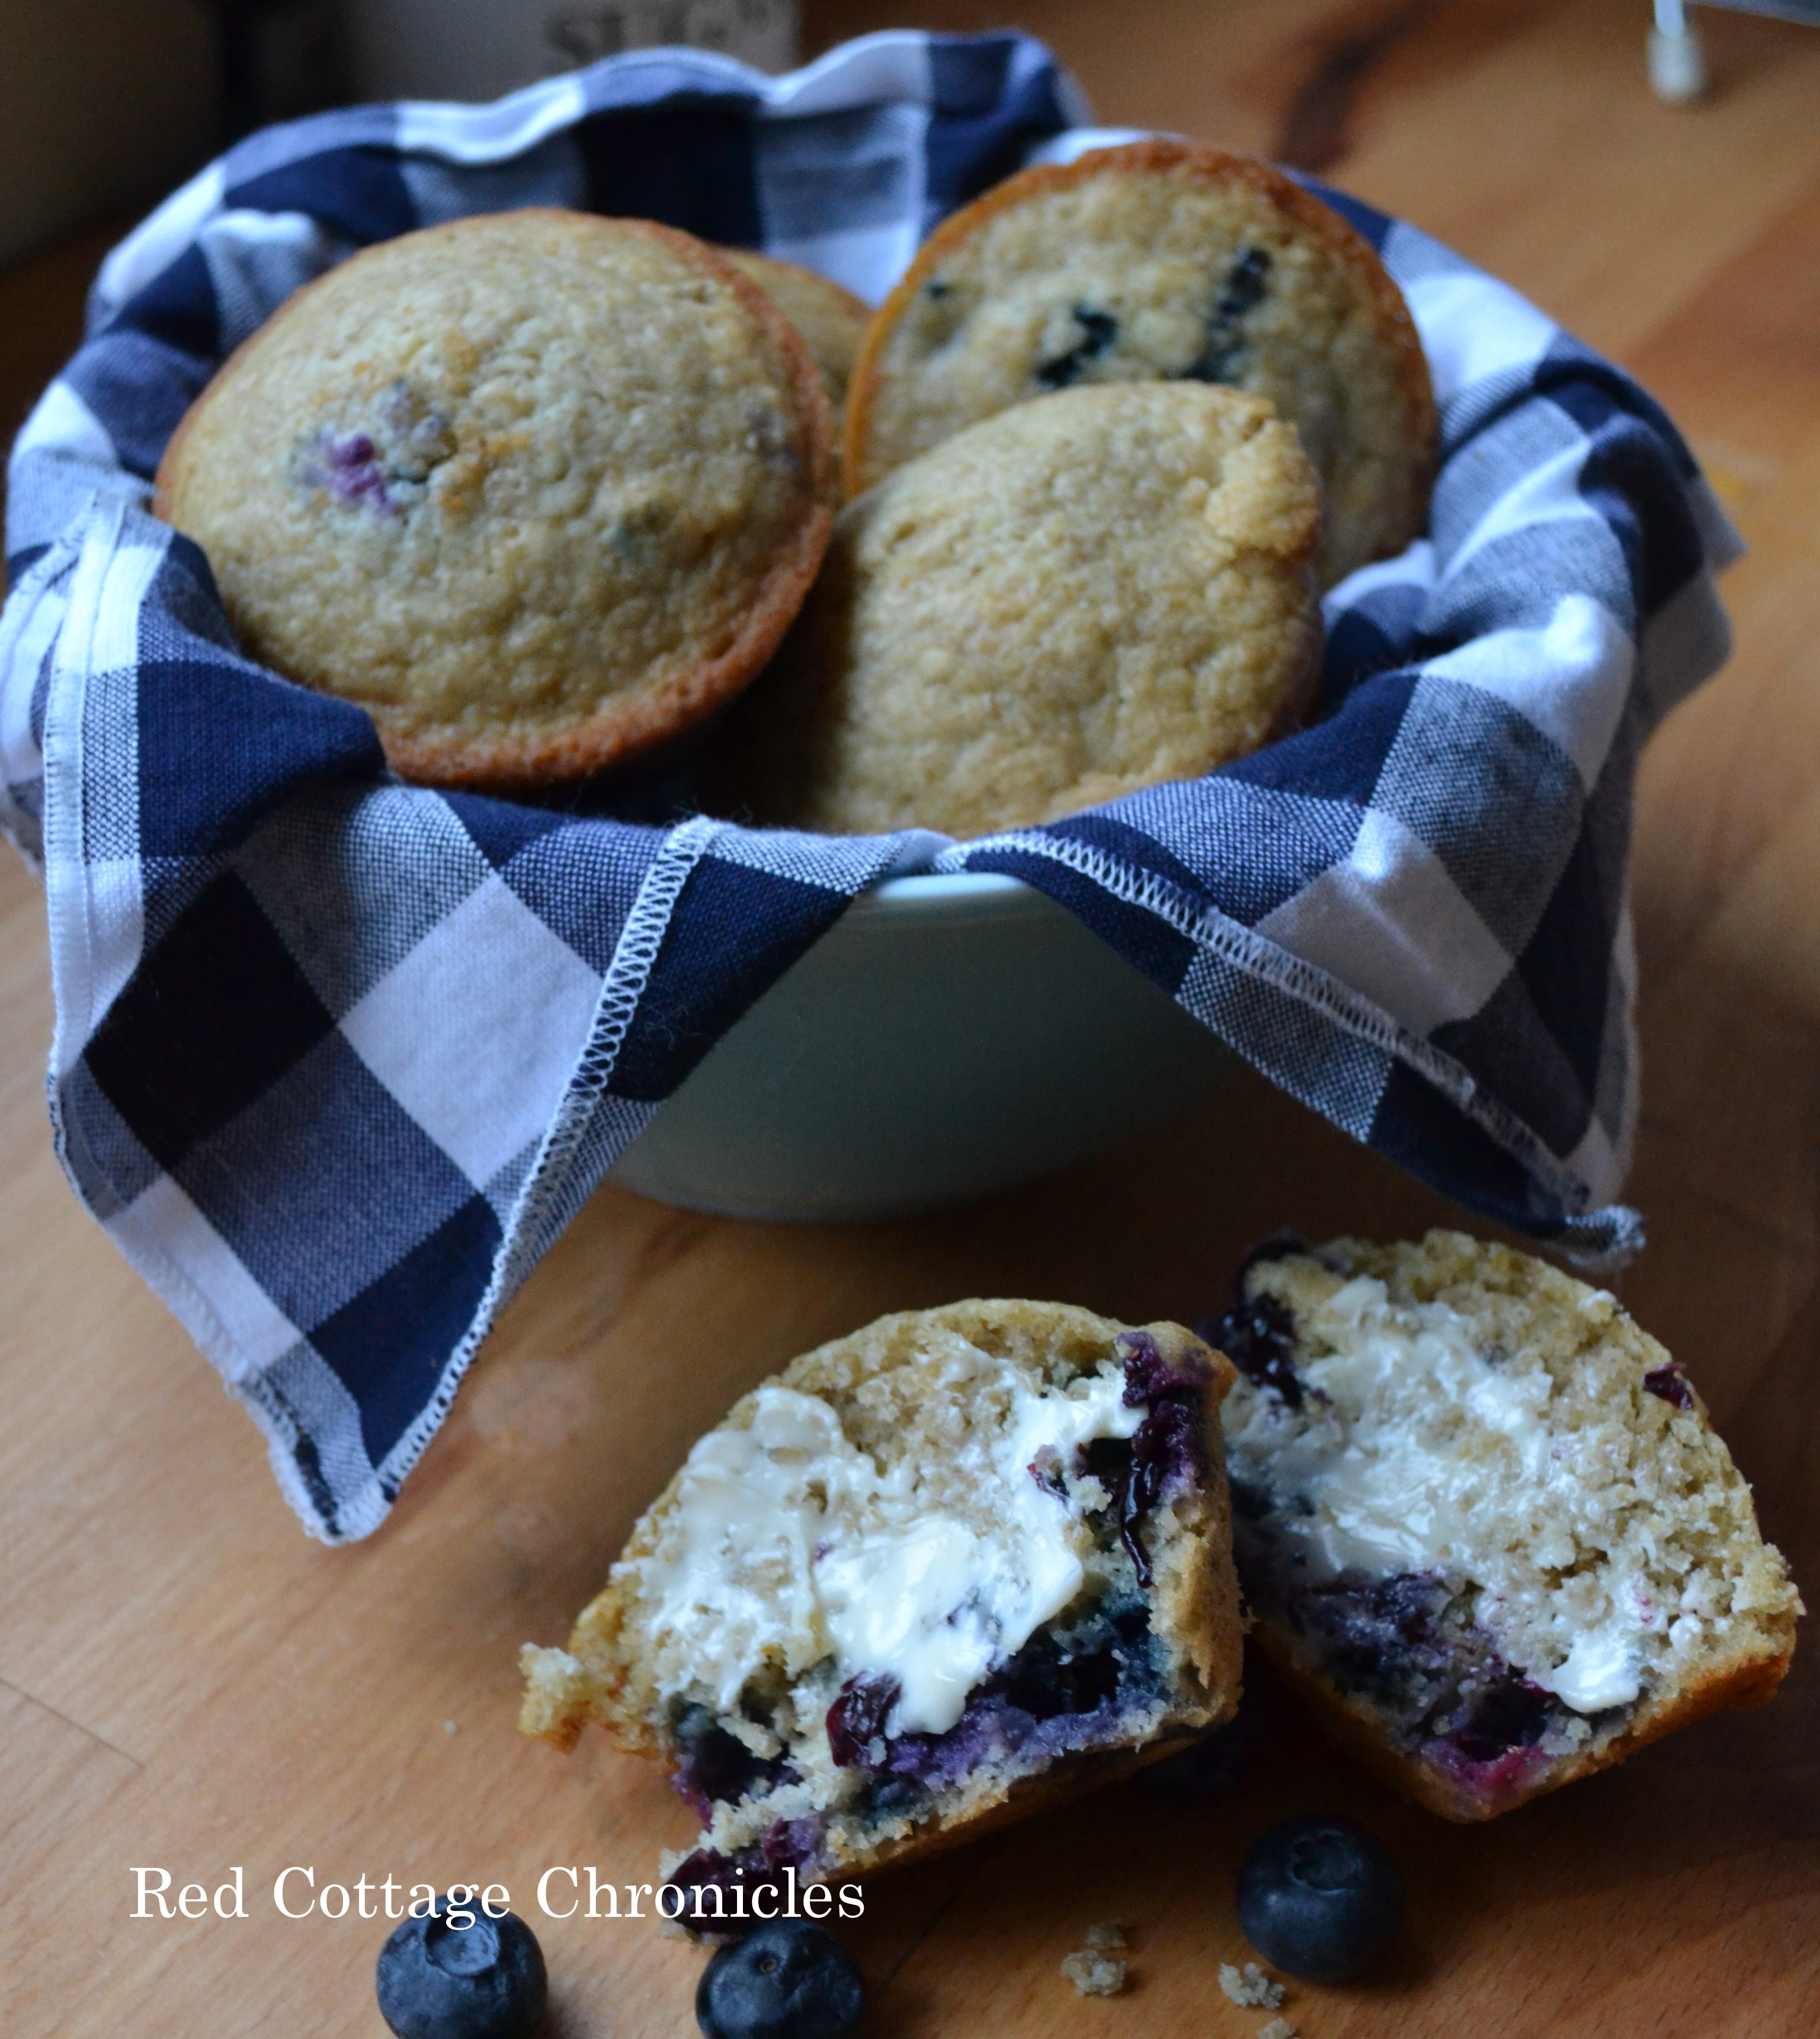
(948, 1037)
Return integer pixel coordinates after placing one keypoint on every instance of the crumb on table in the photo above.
(1107, 1933)
(1278, 2028)
(1249, 1987)
(1094, 1975)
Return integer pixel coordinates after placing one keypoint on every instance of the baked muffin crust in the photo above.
(831, 319)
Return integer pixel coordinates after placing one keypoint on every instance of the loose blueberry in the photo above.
(790, 1980)
(1319, 1898)
(441, 1981)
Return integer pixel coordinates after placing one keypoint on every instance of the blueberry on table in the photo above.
(1319, 1899)
(441, 1981)
(790, 1980)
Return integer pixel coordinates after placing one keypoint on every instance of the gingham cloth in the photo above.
(336, 1059)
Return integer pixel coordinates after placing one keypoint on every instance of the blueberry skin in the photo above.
(1319, 1899)
(486, 1982)
(790, 1980)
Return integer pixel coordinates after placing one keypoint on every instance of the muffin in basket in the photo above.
(831, 319)
(1482, 1520)
(536, 489)
(930, 1577)
(1160, 260)
(1093, 592)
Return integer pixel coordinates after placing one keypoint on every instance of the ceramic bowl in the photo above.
(949, 1037)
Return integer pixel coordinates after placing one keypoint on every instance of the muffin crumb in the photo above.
(1249, 1987)
(1278, 2028)
(1108, 1934)
(1094, 1975)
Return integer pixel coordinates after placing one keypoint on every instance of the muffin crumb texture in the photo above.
(1094, 1974)
(1249, 1987)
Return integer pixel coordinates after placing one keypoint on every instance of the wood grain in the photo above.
(186, 1681)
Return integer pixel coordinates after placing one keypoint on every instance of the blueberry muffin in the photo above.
(535, 489)
(831, 319)
(1090, 593)
(1162, 261)
(931, 1576)
(1482, 1520)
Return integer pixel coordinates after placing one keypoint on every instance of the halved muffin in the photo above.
(929, 1577)
(1481, 1519)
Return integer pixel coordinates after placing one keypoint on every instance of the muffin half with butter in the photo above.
(538, 490)
(931, 1576)
(1482, 1520)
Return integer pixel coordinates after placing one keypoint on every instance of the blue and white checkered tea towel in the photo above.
(336, 1058)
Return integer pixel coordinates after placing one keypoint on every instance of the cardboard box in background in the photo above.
(478, 49)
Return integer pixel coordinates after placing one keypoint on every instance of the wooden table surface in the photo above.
(187, 1681)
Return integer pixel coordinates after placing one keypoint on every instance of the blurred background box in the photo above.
(477, 49)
